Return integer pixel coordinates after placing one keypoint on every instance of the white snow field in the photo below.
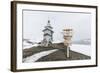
(84, 49)
(37, 56)
(28, 45)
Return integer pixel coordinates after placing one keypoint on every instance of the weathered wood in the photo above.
(67, 35)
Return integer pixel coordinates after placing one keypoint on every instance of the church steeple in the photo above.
(48, 21)
(48, 24)
(48, 34)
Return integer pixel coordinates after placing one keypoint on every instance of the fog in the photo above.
(34, 22)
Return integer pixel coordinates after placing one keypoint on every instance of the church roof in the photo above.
(48, 26)
(47, 34)
(47, 29)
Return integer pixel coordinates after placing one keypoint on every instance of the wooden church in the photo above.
(48, 35)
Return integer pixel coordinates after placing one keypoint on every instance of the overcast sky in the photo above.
(34, 22)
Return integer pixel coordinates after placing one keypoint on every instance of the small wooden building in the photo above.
(48, 35)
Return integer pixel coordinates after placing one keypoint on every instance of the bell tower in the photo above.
(48, 35)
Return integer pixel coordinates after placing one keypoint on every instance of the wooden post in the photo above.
(68, 52)
(67, 34)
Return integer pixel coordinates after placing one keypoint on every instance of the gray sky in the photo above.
(34, 22)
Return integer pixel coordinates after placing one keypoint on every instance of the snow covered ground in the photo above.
(37, 56)
(84, 49)
(28, 45)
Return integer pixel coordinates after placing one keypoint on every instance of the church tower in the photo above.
(48, 35)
